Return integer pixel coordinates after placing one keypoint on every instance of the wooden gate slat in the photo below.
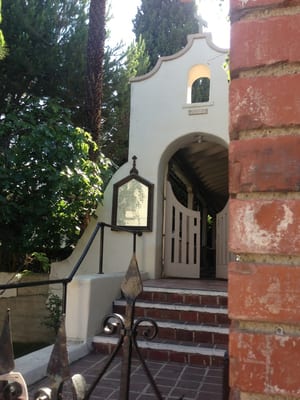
(182, 236)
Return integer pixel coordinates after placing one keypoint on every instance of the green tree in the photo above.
(48, 183)
(116, 105)
(164, 26)
(200, 90)
(3, 50)
(95, 60)
(49, 186)
(54, 45)
(47, 52)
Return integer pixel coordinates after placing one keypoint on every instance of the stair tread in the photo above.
(167, 344)
(206, 292)
(175, 306)
(189, 326)
(209, 327)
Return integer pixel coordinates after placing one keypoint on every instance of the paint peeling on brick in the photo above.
(269, 293)
(259, 226)
(263, 228)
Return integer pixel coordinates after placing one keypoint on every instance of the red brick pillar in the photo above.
(264, 162)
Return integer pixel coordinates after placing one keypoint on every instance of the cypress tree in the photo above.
(164, 26)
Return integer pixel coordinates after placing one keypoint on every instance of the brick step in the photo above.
(197, 297)
(176, 312)
(166, 350)
(186, 332)
(193, 325)
(189, 332)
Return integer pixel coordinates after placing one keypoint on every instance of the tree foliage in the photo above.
(164, 26)
(47, 52)
(48, 58)
(116, 105)
(3, 49)
(48, 183)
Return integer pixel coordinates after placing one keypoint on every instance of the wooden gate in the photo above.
(222, 253)
(182, 239)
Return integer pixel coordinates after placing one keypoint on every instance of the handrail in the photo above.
(65, 281)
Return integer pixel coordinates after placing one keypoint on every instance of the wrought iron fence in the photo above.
(13, 385)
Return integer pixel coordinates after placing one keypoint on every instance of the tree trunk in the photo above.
(95, 57)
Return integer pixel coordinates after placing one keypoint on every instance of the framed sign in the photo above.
(133, 202)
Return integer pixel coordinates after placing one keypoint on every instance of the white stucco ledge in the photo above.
(33, 366)
(89, 300)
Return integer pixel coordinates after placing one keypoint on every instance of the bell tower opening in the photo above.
(198, 84)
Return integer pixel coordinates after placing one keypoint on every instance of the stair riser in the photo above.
(182, 335)
(191, 336)
(177, 315)
(166, 355)
(188, 299)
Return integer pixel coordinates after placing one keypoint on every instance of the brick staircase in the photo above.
(193, 324)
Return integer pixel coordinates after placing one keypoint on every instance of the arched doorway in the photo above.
(195, 216)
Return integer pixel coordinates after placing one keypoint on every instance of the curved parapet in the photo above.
(190, 41)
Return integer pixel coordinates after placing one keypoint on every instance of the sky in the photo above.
(124, 11)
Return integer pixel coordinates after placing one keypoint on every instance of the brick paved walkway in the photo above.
(174, 380)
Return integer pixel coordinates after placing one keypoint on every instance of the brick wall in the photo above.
(264, 165)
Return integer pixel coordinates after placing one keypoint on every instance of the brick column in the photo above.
(264, 162)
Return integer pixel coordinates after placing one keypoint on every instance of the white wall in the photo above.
(89, 299)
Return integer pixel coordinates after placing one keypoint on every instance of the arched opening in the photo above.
(200, 90)
(198, 84)
(197, 174)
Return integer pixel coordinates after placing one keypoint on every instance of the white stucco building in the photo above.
(179, 134)
(176, 138)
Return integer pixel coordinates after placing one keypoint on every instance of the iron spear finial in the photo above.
(132, 284)
(58, 369)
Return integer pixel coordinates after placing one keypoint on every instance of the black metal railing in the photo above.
(65, 281)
